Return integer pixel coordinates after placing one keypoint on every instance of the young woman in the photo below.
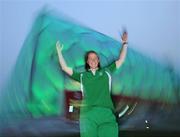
(96, 117)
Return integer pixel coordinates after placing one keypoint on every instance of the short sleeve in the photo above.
(76, 75)
(111, 67)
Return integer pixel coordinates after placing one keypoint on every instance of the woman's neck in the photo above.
(93, 70)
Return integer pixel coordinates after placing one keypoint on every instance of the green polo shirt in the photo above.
(96, 88)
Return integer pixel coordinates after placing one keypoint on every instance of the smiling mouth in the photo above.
(94, 64)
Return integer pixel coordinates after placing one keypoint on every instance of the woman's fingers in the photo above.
(124, 37)
(57, 43)
(59, 46)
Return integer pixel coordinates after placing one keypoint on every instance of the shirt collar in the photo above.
(90, 70)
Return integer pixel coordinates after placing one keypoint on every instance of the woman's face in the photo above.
(93, 60)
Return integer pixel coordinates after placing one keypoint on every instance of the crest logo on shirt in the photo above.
(100, 73)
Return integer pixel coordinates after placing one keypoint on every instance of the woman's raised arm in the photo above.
(123, 51)
(62, 61)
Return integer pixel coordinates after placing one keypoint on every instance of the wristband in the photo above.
(125, 43)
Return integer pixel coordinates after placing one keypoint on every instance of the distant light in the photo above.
(146, 121)
(70, 108)
(147, 127)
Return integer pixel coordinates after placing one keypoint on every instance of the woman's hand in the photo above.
(59, 46)
(124, 37)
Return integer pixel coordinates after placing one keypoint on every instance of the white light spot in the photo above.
(70, 108)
